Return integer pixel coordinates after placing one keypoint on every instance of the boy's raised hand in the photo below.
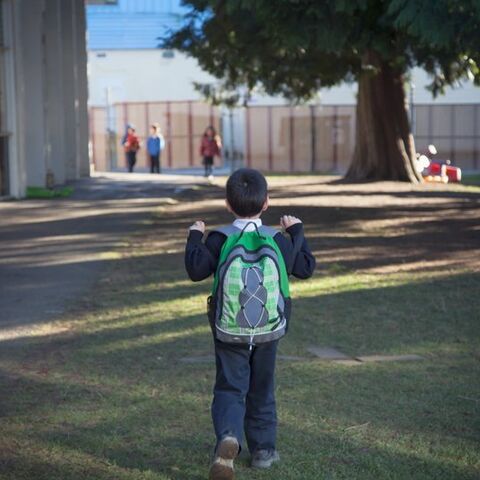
(287, 221)
(198, 225)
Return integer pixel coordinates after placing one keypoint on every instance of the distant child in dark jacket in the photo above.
(155, 145)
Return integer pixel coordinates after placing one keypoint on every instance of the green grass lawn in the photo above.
(471, 179)
(105, 394)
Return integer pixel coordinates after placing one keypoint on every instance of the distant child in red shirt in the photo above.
(131, 146)
(209, 148)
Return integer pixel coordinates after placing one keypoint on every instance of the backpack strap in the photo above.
(269, 231)
(227, 230)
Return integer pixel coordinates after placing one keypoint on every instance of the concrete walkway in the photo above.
(52, 251)
(195, 171)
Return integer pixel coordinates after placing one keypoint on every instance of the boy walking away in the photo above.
(249, 311)
(155, 145)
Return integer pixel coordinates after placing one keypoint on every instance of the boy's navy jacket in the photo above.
(201, 259)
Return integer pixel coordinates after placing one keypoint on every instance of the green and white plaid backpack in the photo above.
(250, 300)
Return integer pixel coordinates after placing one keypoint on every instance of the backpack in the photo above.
(250, 301)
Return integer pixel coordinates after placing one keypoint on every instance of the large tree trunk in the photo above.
(384, 148)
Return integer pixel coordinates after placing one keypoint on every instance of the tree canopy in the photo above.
(295, 47)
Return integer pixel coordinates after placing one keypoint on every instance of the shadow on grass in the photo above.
(418, 240)
(336, 456)
(365, 320)
(362, 319)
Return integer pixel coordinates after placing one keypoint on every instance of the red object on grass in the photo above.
(454, 174)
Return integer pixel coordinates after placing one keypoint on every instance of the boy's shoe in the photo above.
(222, 466)
(265, 458)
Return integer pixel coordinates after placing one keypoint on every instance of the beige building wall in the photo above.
(46, 90)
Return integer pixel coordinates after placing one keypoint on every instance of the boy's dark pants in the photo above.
(131, 160)
(155, 163)
(244, 398)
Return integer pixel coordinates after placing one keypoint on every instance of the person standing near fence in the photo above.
(131, 146)
(209, 149)
(155, 145)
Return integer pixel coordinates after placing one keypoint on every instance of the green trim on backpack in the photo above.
(250, 287)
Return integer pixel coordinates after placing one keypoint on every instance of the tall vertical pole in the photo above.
(313, 136)
(430, 124)
(91, 121)
(190, 134)
(335, 139)
(169, 135)
(476, 140)
(125, 123)
(109, 151)
(248, 137)
(233, 154)
(452, 133)
(147, 132)
(292, 139)
(270, 139)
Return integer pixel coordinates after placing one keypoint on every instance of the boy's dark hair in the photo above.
(246, 192)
